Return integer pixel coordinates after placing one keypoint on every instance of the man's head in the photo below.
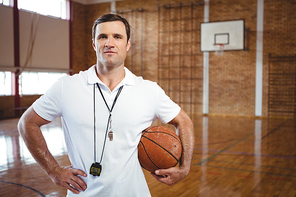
(110, 18)
(111, 40)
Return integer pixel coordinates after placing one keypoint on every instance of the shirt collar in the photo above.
(92, 78)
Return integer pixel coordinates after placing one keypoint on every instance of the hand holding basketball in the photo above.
(159, 148)
(170, 176)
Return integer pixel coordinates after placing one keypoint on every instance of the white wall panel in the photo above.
(6, 39)
(51, 46)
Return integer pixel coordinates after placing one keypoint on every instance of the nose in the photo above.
(109, 42)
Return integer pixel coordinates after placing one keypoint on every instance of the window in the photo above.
(32, 83)
(5, 83)
(56, 8)
(36, 82)
(4, 2)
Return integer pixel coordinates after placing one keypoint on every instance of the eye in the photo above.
(101, 37)
(118, 37)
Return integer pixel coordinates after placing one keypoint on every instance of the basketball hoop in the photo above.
(219, 49)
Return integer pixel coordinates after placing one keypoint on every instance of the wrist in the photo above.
(53, 170)
(185, 169)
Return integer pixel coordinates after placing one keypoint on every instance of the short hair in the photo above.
(109, 18)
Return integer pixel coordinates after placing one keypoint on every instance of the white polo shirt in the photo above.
(138, 105)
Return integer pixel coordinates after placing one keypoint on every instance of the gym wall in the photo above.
(166, 49)
(159, 45)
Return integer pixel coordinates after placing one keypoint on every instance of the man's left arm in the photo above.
(174, 175)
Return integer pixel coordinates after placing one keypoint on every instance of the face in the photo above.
(110, 43)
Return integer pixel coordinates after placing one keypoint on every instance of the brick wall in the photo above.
(279, 37)
(79, 38)
(160, 57)
(232, 76)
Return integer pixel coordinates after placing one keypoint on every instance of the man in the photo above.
(103, 112)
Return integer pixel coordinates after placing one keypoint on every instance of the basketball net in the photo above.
(219, 49)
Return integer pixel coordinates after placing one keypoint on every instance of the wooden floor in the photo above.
(232, 157)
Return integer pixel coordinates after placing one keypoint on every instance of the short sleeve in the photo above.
(48, 106)
(167, 109)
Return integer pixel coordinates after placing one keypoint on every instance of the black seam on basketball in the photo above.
(149, 128)
(162, 148)
(167, 134)
(148, 156)
(145, 131)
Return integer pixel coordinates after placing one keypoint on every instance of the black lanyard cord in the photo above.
(110, 115)
(119, 91)
(95, 152)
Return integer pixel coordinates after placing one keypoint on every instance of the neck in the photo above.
(111, 77)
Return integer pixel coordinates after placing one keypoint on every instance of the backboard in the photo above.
(230, 34)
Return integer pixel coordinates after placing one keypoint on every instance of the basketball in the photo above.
(159, 148)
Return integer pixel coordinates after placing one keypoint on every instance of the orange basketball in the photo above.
(159, 148)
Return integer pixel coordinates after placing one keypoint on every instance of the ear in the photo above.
(94, 45)
(128, 45)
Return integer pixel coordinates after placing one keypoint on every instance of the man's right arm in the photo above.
(29, 128)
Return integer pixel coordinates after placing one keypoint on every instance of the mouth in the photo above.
(109, 52)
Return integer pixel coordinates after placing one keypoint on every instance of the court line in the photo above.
(41, 194)
(273, 130)
(246, 164)
(245, 153)
(286, 175)
(225, 149)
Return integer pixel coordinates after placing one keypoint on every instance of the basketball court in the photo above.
(232, 157)
(230, 65)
